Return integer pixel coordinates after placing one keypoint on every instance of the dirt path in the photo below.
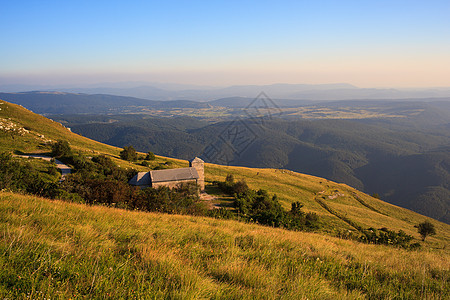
(210, 199)
(65, 169)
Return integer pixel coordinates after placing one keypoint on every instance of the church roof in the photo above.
(174, 174)
(141, 178)
(147, 178)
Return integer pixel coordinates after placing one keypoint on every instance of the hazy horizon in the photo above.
(382, 44)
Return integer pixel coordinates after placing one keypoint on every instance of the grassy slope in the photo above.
(99, 252)
(367, 212)
(95, 250)
(39, 125)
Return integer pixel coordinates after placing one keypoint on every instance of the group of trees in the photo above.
(385, 236)
(258, 206)
(130, 154)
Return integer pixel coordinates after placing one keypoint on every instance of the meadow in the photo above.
(58, 250)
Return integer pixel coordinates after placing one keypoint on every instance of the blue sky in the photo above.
(366, 43)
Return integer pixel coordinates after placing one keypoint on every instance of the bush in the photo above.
(258, 206)
(150, 156)
(128, 153)
(221, 213)
(183, 199)
(229, 179)
(231, 187)
(61, 148)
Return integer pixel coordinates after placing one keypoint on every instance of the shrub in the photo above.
(61, 148)
(221, 213)
(23, 177)
(425, 229)
(150, 156)
(128, 153)
(229, 179)
(231, 187)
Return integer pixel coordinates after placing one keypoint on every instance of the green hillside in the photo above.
(23, 130)
(87, 252)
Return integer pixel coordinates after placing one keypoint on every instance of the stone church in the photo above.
(172, 177)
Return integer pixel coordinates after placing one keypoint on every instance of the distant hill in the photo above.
(159, 91)
(243, 102)
(44, 102)
(69, 103)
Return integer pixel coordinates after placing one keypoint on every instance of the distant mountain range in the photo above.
(64, 103)
(163, 92)
(79, 103)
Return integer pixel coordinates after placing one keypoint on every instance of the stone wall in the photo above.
(171, 184)
(199, 165)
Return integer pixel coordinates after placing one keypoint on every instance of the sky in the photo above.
(391, 43)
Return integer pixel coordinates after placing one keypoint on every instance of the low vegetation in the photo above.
(128, 153)
(29, 176)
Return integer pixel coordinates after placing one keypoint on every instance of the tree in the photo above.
(150, 156)
(128, 153)
(61, 148)
(376, 195)
(296, 209)
(425, 229)
(229, 179)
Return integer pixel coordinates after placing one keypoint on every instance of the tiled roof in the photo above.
(174, 174)
(147, 178)
(141, 178)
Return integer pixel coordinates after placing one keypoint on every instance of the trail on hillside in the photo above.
(65, 169)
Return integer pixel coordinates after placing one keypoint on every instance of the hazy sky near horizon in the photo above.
(366, 43)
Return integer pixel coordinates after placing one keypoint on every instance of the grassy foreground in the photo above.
(59, 250)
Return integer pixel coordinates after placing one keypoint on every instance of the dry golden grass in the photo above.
(54, 249)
